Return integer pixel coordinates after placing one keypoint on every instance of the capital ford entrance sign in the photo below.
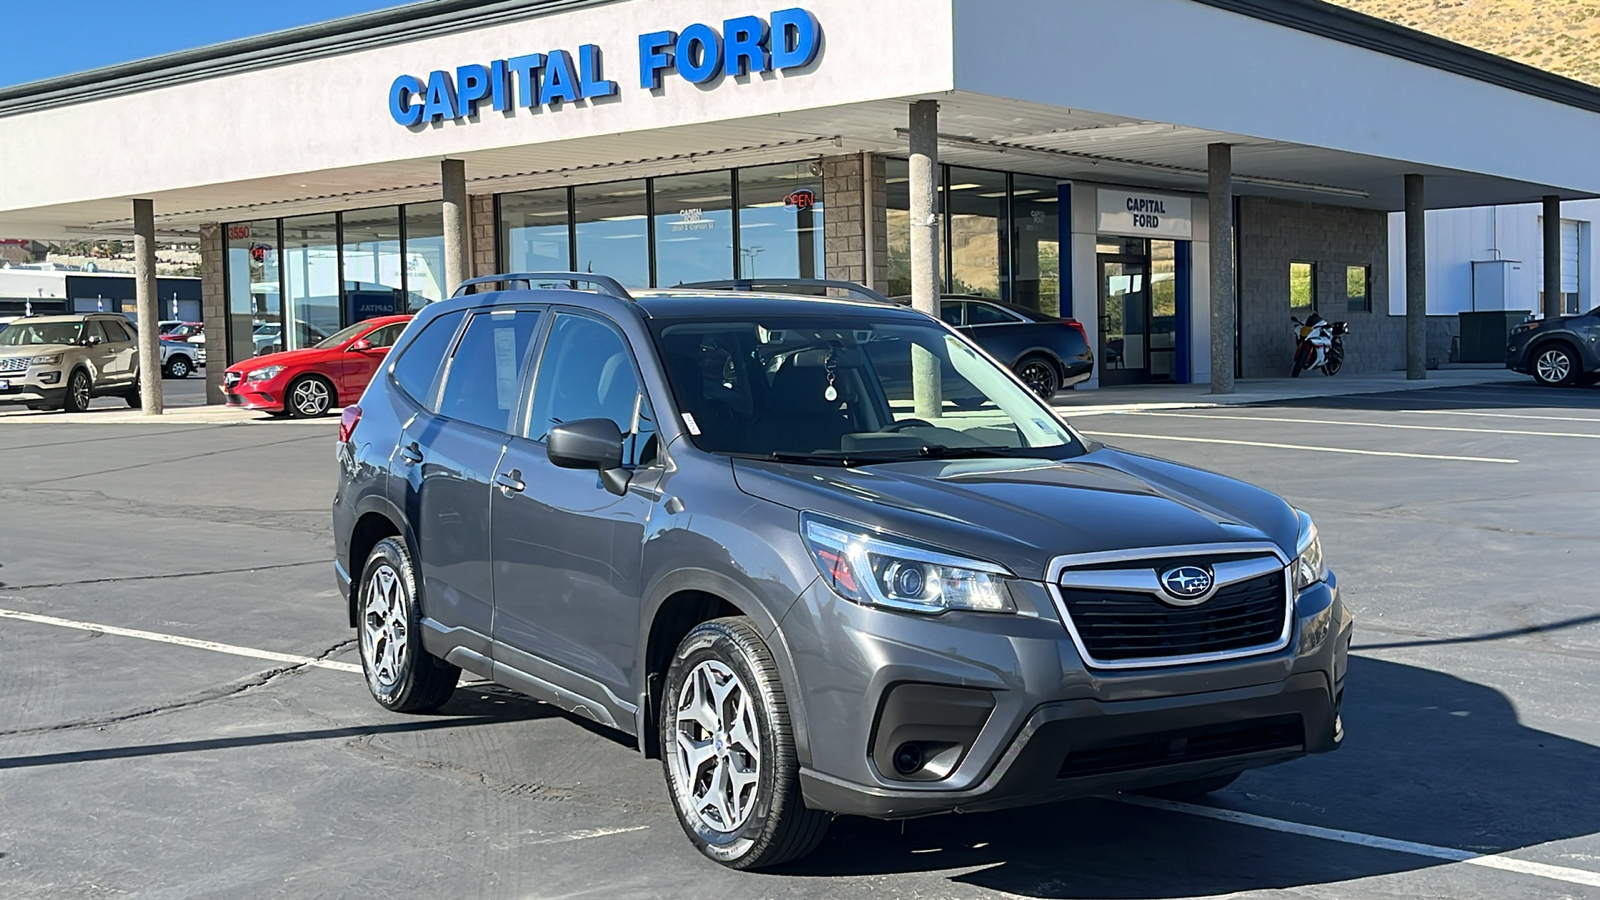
(1143, 214)
(700, 53)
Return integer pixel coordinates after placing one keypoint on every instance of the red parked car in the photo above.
(310, 382)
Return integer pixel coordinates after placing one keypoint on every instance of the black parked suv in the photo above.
(1560, 351)
(717, 522)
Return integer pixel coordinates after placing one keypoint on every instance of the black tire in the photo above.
(1555, 365)
(179, 367)
(1039, 374)
(775, 825)
(80, 390)
(134, 399)
(1333, 365)
(1191, 790)
(309, 397)
(401, 675)
(1298, 367)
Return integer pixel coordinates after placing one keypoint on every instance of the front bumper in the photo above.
(266, 396)
(1057, 729)
(25, 388)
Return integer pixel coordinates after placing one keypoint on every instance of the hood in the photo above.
(284, 358)
(1022, 513)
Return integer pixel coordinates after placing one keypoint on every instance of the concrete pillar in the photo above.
(1552, 257)
(1416, 279)
(214, 308)
(924, 222)
(457, 222)
(1219, 202)
(144, 281)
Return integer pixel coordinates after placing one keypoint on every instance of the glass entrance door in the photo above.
(1124, 319)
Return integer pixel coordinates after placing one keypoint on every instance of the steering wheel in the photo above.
(903, 424)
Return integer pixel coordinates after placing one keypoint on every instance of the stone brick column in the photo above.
(852, 215)
(214, 308)
(483, 235)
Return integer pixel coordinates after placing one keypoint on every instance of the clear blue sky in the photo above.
(57, 37)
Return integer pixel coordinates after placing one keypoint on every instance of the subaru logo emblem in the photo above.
(1187, 585)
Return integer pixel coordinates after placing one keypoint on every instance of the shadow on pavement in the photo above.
(1496, 397)
(1429, 758)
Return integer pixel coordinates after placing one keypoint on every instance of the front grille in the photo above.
(231, 379)
(14, 364)
(1127, 625)
(1196, 745)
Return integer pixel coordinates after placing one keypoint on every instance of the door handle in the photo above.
(411, 454)
(510, 482)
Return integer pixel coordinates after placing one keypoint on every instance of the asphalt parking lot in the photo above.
(182, 714)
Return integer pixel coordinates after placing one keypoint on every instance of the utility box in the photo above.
(1491, 284)
(1484, 334)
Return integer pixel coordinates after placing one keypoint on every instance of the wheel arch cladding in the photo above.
(372, 527)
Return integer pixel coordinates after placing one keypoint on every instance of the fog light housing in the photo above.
(924, 731)
(49, 377)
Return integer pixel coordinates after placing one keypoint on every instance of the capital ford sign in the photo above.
(700, 53)
(1143, 214)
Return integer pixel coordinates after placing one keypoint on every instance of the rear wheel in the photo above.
(1334, 364)
(728, 750)
(1040, 375)
(401, 675)
(79, 391)
(309, 397)
(1193, 789)
(1554, 366)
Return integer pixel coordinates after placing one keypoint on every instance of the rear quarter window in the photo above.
(417, 370)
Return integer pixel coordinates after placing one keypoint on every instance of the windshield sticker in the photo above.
(688, 422)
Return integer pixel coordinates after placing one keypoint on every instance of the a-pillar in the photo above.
(924, 227)
(1552, 257)
(144, 281)
(457, 223)
(1219, 160)
(1416, 279)
(214, 308)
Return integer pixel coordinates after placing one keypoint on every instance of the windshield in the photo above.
(827, 388)
(339, 337)
(19, 334)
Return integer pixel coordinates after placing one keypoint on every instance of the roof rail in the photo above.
(549, 281)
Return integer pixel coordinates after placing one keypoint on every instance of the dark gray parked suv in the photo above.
(720, 523)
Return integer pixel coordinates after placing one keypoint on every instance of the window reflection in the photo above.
(255, 303)
(311, 262)
(780, 222)
(612, 231)
(372, 264)
(1036, 244)
(979, 258)
(535, 234)
(694, 228)
(897, 215)
(424, 254)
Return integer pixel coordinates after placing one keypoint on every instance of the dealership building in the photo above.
(1181, 176)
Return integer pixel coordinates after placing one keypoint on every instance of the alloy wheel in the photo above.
(180, 368)
(1039, 377)
(383, 626)
(80, 390)
(311, 397)
(718, 754)
(1553, 366)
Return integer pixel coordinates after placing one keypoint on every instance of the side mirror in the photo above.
(590, 444)
(91, 341)
(360, 346)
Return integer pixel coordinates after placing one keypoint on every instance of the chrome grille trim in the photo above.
(1261, 558)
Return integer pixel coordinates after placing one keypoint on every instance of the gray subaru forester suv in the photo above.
(748, 531)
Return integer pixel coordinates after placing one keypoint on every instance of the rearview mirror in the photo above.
(360, 346)
(590, 444)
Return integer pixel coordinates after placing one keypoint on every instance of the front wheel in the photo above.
(178, 368)
(728, 750)
(1554, 366)
(402, 676)
(79, 391)
(309, 397)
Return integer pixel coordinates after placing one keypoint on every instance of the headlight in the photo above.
(45, 360)
(1308, 565)
(267, 374)
(871, 570)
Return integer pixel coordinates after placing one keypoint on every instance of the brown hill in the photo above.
(1561, 36)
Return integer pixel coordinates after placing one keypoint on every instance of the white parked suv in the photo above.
(62, 362)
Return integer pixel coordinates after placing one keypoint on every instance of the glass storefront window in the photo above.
(372, 264)
(1036, 244)
(612, 231)
(535, 232)
(255, 304)
(424, 254)
(897, 215)
(979, 257)
(780, 222)
(694, 228)
(311, 264)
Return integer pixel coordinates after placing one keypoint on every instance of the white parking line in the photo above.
(1196, 440)
(181, 641)
(585, 834)
(1448, 854)
(1463, 412)
(1562, 434)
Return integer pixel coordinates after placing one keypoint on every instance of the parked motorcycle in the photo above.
(1318, 344)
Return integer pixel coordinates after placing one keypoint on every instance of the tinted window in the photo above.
(99, 328)
(587, 372)
(984, 314)
(387, 335)
(485, 372)
(420, 363)
(951, 313)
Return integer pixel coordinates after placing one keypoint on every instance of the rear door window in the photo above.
(951, 314)
(418, 368)
(985, 314)
(484, 377)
